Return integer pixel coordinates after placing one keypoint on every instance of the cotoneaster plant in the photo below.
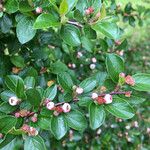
(60, 70)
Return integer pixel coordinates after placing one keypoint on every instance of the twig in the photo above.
(75, 23)
(101, 95)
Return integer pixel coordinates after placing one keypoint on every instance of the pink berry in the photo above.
(1, 135)
(34, 119)
(17, 114)
(38, 10)
(129, 80)
(108, 99)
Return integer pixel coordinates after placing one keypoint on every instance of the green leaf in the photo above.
(11, 82)
(5, 23)
(71, 35)
(142, 82)
(88, 84)
(65, 81)
(24, 29)
(84, 101)
(7, 108)
(133, 100)
(34, 97)
(63, 9)
(29, 82)
(58, 126)
(87, 44)
(44, 123)
(6, 141)
(45, 21)
(109, 29)
(34, 143)
(5, 95)
(7, 123)
(76, 120)
(25, 7)
(120, 108)
(71, 4)
(114, 65)
(97, 115)
(51, 92)
(18, 61)
(58, 67)
(11, 6)
(20, 89)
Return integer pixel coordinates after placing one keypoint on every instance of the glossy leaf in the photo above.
(7, 123)
(71, 35)
(51, 92)
(120, 108)
(97, 115)
(142, 82)
(24, 29)
(76, 120)
(88, 84)
(34, 143)
(58, 126)
(115, 66)
(46, 21)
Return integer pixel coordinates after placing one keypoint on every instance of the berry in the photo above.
(38, 10)
(94, 60)
(108, 99)
(129, 80)
(17, 114)
(66, 107)
(32, 132)
(13, 101)
(50, 105)
(100, 100)
(1, 135)
(34, 118)
(92, 66)
(94, 95)
(79, 90)
(122, 75)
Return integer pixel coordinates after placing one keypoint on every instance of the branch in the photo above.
(101, 95)
(75, 23)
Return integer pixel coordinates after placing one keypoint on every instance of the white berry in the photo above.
(66, 107)
(79, 90)
(13, 101)
(94, 95)
(92, 66)
(108, 99)
(50, 105)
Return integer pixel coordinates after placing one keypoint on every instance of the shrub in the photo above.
(62, 70)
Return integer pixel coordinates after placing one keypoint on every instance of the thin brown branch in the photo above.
(75, 23)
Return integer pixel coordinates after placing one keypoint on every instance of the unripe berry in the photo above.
(34, 118)
(79, 54)
(13, 101)
(17, 114)
(122, 74)
(92, 66)
(108, 99)
(32, 132)
(73, 65)
(1, 135)
(94, 60)
(66, 107)
(79, 90)
(129, 80)
(50, 105)
(94, 95)
(38, 10)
